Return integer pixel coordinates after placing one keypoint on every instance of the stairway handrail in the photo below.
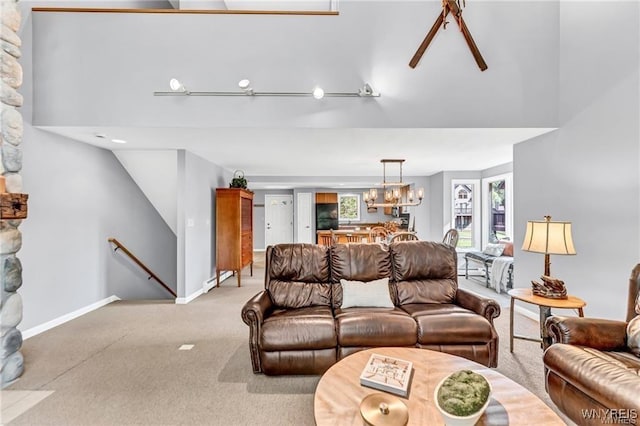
(119, 245)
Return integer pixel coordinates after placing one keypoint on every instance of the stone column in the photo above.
(10, 165)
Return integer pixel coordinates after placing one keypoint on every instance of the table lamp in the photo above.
(549, 238)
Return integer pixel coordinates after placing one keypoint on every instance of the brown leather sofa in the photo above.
(590, 374)
(297, 325)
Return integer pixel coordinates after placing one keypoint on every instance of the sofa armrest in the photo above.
(253, 314)
(597, 333)
(257, 308)
(484, 306)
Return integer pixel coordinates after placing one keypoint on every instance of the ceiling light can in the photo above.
(318, 93)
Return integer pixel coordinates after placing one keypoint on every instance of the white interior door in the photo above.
(278, 219)
(304, 218)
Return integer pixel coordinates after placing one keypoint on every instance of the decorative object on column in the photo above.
(13, 205)
(238, 180)
(549, 238)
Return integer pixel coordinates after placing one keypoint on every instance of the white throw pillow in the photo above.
(493, 249)
(633, 335)
(366, 294)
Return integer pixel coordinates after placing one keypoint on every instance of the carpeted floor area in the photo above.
(122, 365)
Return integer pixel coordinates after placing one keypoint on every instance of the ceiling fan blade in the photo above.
(430, 35)
(467, 35)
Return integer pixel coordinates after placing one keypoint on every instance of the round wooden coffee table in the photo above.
(338, 395)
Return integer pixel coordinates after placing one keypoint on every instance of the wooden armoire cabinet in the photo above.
(234, 231)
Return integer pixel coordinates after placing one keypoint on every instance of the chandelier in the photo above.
(392, 191)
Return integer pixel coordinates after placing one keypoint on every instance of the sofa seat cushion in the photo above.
(304, 328)
(451, 325)
(610, 378)
(624, 360)
(375, 327)
(419, 309)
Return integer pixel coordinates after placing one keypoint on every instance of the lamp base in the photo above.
(551, 288)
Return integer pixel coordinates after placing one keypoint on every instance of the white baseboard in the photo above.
(211, 282)
(189, 298)
(67, 317)
(206, 286)
(527, 313)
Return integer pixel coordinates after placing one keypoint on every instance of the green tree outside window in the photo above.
(349, 207)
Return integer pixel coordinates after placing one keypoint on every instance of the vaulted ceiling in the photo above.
(96, 73)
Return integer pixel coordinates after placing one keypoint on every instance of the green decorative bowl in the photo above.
(466, 420)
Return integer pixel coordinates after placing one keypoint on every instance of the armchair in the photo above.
(590, 373)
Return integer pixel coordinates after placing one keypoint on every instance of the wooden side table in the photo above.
(545, 305)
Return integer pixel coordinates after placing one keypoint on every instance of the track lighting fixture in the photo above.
(178, 89)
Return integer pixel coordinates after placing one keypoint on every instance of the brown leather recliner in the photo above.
(297, 324)
(590, 374)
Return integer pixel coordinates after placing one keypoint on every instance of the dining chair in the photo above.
(351, 238)
(451, 238)
(404, 236)
(326, 240)
(378, 234)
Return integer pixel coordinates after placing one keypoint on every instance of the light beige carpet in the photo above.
(122, 365)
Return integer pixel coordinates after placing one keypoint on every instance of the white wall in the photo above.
(197, 183)
(79, 196)
(587, 171)
(155, 172)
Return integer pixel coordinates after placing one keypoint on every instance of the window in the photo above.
(497, 208)
(349, 207)
(466, 212)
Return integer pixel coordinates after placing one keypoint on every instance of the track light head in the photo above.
(367, 91)
(176, 86)
(245, 85)
(318, 93)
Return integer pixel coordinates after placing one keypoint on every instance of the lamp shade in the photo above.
(549, 237)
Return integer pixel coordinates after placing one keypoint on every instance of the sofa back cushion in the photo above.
(424, 272)
(357, 262)
(298, 275)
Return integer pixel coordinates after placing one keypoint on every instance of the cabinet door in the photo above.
(246, 210)
(247, 248)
